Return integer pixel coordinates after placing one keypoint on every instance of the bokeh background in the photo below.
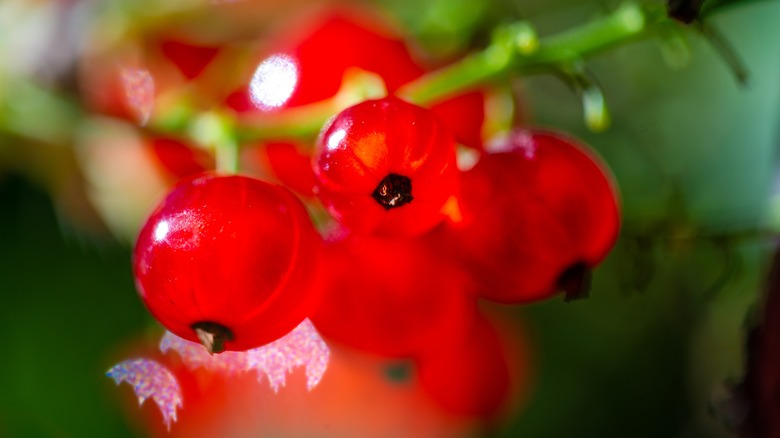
(651, 353)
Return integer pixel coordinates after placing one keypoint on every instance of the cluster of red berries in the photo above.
(414, 242)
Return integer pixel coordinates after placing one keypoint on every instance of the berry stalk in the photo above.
(511, 52)
(217, 132)
(515, 50)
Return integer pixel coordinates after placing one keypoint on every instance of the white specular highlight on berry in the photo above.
(180, 230)
(273, 82)
(150, 379)
(161, 230)
(301, 347)
(520, 140)
(335, 139)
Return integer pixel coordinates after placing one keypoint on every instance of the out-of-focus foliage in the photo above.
(693, 152)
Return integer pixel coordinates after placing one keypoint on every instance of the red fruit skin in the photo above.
(124, 79)
(289, 163)
(230, 250)
(179, 159)
(468, 376)
(103, 83)
(190, 59)
(323, 50)
(367, 142)
(530, 212)
(326, 48)
(463, 115)
(391, 297)
(341, 42)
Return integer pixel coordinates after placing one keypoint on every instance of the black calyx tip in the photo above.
(212, 335)
(393, 191)
(575, 282)
(684, 11)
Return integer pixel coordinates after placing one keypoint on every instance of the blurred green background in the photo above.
(646, 355)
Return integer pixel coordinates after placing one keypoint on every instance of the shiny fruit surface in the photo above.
(537, 215)
(228, 256)
(391, 297)
(386, 167)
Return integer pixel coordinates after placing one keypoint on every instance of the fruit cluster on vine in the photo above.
(409, 236)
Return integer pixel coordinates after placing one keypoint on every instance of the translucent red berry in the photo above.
(387, 167)
(288, 161)
(228, 261)
(178, 159)
(126, 77)
(468, 375)
(317, 53)
(393, 297)
(189, 58)
(536, 217)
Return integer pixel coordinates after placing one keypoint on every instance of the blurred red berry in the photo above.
(179, 159)
(394, 298)
(470, 375)
(190, 59)
(308, 64)
(536, 217)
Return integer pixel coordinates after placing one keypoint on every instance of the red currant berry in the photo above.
(288, 162)
(179, 159)
(126, 78)
(364, 42)
(536, 217)
(316, 71)
(394, 298)
(463, 115)
(119, 85)
(387, 167)
(228, 261)
(468, 376)
(189, 58)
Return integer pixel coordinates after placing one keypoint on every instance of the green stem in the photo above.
(306, 121)
(217, 131)
(515, 50)
(28, 110)
(227, 156)
(510, 53)
(623, 25)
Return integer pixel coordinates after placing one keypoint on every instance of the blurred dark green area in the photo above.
(695, 154)
(66, 307)
(695, 157)
(621, 363)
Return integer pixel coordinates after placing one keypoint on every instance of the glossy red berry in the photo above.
(325, 48)
(316, 55)
(228, 260)
(392, 297)
(537, 215)
(468, 375)
(387, 167)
